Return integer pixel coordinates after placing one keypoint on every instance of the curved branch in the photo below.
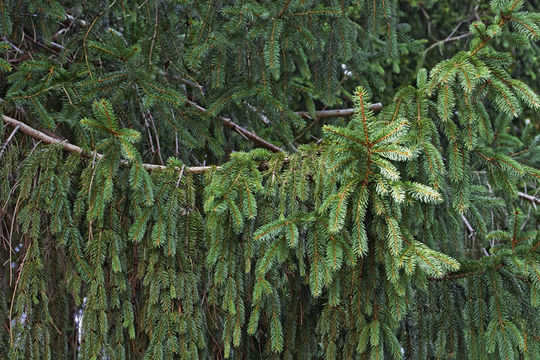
(531, 198)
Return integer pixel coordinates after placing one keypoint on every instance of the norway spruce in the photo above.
(285, 179)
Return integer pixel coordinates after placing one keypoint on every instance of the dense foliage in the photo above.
(141, 219)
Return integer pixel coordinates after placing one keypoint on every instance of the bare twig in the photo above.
(71, 18)
(180, 176)
(253, 137)
(336, 112)
(157, 137)
(153, 36)
(49, 48)
(329, 113)
(456, 28)
(185, 81)
(14, 293)
(19, 51)
(148, 132)
(468, 225)
(228, 122)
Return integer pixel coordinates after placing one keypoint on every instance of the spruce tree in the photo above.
(247, 180)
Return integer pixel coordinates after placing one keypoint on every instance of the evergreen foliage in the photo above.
(406, 233)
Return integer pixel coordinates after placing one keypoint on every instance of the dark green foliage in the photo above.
(406, 233)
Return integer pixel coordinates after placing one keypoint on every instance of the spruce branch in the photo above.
(267, 145)
(461, 275)
(73, 148)
(502, 21)
(252, 136)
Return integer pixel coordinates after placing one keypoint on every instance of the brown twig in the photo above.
(253, 137)
(226, 121)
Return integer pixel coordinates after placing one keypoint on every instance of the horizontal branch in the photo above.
(28, 130)
(39, 135)
(265, 144)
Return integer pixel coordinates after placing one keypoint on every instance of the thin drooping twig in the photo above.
(157, 137)
(8, 140)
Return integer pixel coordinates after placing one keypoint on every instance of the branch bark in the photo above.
(252, 136)
(265, 144)
(449, 39)
(28, 130)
